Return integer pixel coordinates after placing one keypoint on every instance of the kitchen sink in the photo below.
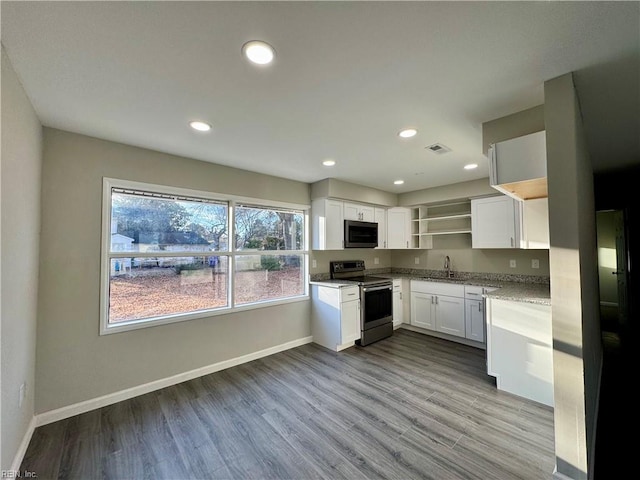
(443, 279)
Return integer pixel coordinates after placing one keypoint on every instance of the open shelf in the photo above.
(439, 219)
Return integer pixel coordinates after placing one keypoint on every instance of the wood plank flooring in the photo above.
(410, 406)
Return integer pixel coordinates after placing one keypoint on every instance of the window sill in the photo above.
(169, 319)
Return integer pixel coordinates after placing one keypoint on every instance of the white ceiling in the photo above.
(347, 77)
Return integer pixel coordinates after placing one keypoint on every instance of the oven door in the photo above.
(376, 305)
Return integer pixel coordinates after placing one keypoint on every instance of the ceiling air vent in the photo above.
(438, 148)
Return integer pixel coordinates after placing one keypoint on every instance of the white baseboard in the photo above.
(111, 398)
(24, 444)
(560, 476)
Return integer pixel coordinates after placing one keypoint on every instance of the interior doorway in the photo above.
(613, 273)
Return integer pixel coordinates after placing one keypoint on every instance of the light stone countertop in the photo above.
(528, 289)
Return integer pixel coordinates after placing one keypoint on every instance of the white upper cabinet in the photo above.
(380, 217)
(503, 222)
(534, 223)
(518, 167)
(328, 224)
(494, 222)
(355, 211)
(398, 227)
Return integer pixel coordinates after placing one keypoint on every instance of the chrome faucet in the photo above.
(447, 266)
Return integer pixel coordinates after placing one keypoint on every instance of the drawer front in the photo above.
(349, 293)
(473, 292)
(437, 288)
(397, 285)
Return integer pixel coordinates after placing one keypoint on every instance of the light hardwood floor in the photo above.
(410, 406)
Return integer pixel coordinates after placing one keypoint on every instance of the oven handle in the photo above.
(373, 289)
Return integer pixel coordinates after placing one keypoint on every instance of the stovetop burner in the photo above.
(365, 279)
(353, 270)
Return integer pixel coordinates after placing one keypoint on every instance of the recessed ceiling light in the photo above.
(258, 52)
(471, 166)
(329, 163)
(407, 133)
(200, 126)
(398, 182)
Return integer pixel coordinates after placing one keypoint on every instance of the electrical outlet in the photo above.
(512, 263)
(417, 260)
(535, 263)
(23, 394)
(376, 261)
(314, 264)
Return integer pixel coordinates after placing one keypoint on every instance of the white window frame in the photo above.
(106, 255)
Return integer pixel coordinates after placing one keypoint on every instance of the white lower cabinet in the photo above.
(520, 348)
(450, 315)
(335, 316)
(474, 320)
(422, 310)
(438, 306)
(398, 307)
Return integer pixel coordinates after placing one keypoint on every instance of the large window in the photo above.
(167, 255)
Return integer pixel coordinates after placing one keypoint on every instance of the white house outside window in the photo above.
(167, 255)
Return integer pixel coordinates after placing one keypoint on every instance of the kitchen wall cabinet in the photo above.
(438, 306)
(356, 211)
(327, 224)
(503, 222)
(335, 316)
(494, 222)
(399, 228)
(534, 223)
(380, 217)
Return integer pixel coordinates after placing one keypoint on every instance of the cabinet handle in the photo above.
(407, 243)
(431, 299)
(436, 299)
(400, 295)
(479, 306)
(512, 241)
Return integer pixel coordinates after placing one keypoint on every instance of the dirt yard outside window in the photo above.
(152, 292)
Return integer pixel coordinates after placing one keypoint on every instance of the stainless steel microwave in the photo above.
(360, 234)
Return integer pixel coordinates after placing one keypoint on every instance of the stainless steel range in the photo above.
(376, 299)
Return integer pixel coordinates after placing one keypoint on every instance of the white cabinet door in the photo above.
(450, 315)
(398, 227)
(356, 211)
(534, 223)
(398, 307)
(380, 217)
(350, 321)
(474, 320)
(367, 213)
(422, 310)
(351, 211)
(328, 224)
(494, 222)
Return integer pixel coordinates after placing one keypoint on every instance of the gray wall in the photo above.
(323, 257)
(467, 259)
(447, 193)
(20, 200)
(512, 126)
(74, 362)
(574, 281)
(333, 188)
